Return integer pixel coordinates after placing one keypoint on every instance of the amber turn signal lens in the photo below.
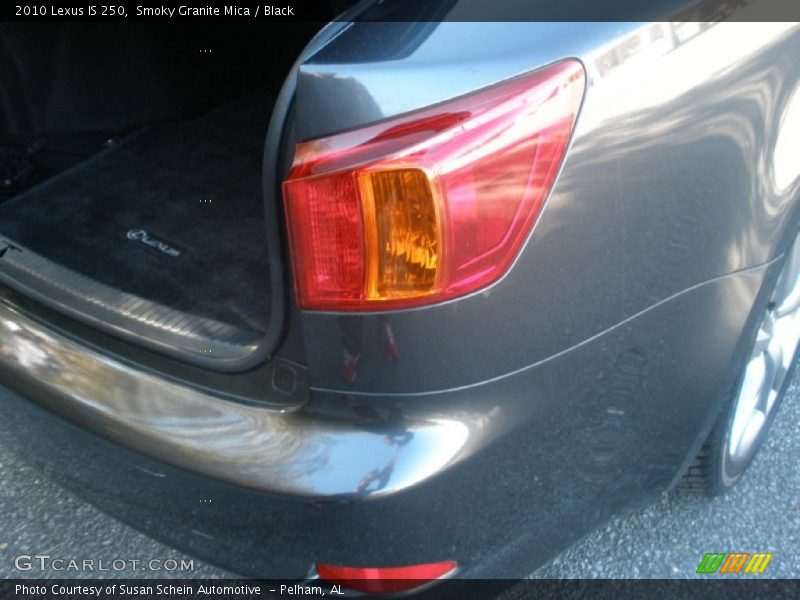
(402, 233)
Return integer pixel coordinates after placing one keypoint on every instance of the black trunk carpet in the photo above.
(173, 214)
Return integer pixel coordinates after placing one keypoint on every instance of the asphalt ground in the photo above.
(761, 513)
(666, 540)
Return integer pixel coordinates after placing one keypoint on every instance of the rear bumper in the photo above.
(498, 476)
(282, 452)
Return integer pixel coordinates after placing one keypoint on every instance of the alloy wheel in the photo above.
(766, 370)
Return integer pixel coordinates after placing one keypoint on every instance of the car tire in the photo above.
(764, 375)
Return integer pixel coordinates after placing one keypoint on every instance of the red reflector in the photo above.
(431, 205)
(386, 580)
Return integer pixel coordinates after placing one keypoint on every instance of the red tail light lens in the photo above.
(430, 205)
(386, 580)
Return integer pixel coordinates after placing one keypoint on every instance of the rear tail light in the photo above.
(386, 580)
(431, 205)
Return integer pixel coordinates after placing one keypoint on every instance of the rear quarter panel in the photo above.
(677, 175)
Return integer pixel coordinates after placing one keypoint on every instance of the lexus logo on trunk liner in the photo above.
(141, 235)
